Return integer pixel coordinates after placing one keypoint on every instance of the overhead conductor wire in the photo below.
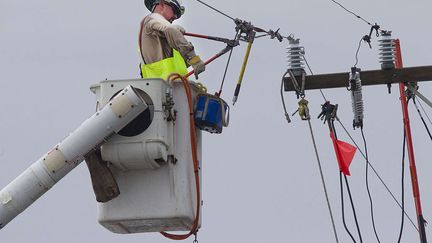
(351, 12)
(310, 70)
(403, 188)
(357, 52)
(215, 9)
(424, 111)
(367, 186)
(333, 130)
(287, 117)
(343, 208)
(376, 173)
(421, 117)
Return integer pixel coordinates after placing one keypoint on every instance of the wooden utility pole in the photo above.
(375, 77)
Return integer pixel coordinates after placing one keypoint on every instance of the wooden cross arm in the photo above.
(374, 77)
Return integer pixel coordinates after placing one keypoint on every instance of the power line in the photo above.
(353, 208)
(357, 52)
(367, 187)
(333, 131)
(377, 174)
(343, 209)
(423, 120)
(366, 38)
(287, 117)
(351, 12)
(215, 9)
(424, 111)
(310, 70)
(403, 188)
(332, 128)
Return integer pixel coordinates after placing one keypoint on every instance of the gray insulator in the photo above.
(357, 100)
(295, 56)
(387, 51)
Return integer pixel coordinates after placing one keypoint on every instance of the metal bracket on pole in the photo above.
(418, 94)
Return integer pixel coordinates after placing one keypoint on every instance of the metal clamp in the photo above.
(328, 112)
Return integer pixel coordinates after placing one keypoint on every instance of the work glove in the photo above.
(197, 65)
(179, 28)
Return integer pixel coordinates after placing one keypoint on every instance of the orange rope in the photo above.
(194, 228)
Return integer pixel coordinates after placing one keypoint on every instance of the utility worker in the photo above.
(163, 48)
(163, 51)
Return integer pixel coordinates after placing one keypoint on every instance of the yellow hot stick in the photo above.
(243, 69)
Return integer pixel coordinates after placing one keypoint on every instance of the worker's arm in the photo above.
(173, 34)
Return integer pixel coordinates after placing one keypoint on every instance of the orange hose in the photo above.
(194, 228)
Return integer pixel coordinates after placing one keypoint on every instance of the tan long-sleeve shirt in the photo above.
(159, 37)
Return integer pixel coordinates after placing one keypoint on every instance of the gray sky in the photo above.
(260, 177)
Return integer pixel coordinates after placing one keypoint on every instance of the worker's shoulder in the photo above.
(155, 17)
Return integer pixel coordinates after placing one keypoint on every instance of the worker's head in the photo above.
(169, 9)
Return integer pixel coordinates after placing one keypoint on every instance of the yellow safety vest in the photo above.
(165, 67)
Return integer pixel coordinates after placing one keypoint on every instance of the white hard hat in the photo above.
(175, 4)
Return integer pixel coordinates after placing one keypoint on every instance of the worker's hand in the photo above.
(179, 28)
(197, 65)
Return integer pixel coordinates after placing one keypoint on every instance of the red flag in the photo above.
(344, 153)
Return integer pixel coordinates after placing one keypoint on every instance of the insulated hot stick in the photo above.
(227, 49)
(230, 45)
(220, 39)
(243, 69)
(249, 36)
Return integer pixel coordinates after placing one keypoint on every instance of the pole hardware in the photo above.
(328, 112)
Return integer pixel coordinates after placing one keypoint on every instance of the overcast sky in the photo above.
(260, 177)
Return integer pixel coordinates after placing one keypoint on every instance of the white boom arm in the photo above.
(65, 156)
